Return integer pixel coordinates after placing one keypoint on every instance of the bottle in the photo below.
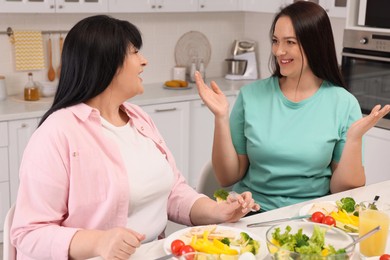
(192, 71)
(31, 90)
(3, 89)
(202, 69)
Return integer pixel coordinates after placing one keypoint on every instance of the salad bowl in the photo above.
(307, 240)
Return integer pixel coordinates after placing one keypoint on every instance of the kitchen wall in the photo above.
(160, 33)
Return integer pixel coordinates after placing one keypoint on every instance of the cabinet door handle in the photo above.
(165, 109)
(24, 125)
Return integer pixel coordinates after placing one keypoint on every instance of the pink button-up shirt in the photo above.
(72, 177)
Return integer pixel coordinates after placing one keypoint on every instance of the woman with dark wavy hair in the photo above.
(296, 135)
(97, 178)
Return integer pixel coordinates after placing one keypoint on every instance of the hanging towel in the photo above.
(28, 50)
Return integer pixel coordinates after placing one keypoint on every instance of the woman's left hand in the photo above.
(361, 126)
(237, 206)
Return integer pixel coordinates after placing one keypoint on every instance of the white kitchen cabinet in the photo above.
(20, 132)
(53, 6)
(376, 155)
(4, 176)
(147, 6)
(3, 152)
(172, 120)
(201, 137)
(263, 6)
(218, 5)
(4, 205)
(4, 164)
(335, 8)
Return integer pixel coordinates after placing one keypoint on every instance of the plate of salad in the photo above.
(236, 239)
(341, 213)
(308, 240)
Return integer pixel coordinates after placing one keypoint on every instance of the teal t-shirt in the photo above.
(290, 146)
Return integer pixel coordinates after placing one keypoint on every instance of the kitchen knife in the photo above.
(268, 223)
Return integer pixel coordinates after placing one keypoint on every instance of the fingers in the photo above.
(199, 80)
(245, 200)
(215, 87)
(120, 243)
(139, 236)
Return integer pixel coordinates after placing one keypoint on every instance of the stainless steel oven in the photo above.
(366, 68)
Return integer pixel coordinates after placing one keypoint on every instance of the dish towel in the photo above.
(28, 50)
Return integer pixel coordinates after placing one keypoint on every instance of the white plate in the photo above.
(179, 88)
(178, 234)
(305, 210)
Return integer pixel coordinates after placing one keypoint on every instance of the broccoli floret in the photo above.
(226, 241)
(244, 238)
(347, 204)
(221, 195)
(252, 246)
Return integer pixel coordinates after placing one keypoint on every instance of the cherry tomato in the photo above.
(176, 246)
(384, 257)
(187, 249)
(329, 220)
(317, 217)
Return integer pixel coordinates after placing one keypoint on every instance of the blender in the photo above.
(243, 65)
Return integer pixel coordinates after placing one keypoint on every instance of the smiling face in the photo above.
(127, 82)
(285, 47)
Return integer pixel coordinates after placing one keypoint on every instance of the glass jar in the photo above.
(31, 90)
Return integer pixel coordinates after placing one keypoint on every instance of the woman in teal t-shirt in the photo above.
(296, 135)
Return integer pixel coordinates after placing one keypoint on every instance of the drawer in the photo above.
(3, 134)
(4, 170)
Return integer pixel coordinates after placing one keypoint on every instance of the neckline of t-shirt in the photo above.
(299, 104)
(107, 124)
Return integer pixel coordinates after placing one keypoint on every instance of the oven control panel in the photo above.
(366, 40)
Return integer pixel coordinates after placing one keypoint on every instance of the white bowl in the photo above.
(48, 88)
(333, 236)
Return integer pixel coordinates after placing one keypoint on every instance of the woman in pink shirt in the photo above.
(97, 169)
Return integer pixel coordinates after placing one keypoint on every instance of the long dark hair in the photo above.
(93, 51)
(314, 33)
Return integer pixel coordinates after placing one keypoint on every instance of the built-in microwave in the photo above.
(374, 13)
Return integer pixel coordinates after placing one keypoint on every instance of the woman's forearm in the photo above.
(349, 173)
(225, 160)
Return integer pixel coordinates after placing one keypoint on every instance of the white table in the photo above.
(154, 249)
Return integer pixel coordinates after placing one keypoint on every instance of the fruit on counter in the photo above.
(176, 83)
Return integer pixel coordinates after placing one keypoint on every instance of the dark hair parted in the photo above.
(94, 49)
(314, 33)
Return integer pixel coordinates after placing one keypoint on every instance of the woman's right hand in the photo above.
(119, 243)
(212, 96)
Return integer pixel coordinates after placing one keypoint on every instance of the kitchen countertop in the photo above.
(14, 107)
